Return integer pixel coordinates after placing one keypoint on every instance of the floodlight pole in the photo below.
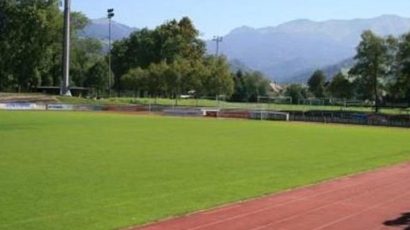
(217, 40)
(110, 15)
(65, 87)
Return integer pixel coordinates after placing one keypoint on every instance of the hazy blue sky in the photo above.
(218, 17)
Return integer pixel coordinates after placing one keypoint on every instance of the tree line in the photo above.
(31, 46)
(381, 74)
(171, 60)
(167, 61)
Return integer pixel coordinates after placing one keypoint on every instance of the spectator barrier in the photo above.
(342, 117)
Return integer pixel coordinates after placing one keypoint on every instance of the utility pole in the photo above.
(376, 94)
(217, 40)
(65, 86)
(110, 15)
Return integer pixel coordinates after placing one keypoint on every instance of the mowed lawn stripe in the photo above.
(104, 171)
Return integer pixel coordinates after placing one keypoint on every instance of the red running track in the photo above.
(374, 200)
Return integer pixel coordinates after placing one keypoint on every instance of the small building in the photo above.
(276, 88)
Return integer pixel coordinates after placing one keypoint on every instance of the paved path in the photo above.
(376, 200)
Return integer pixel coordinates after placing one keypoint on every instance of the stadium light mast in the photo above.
(65, 86)
(217, 40)
(110, 15)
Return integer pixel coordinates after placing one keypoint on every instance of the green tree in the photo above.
(240, 94)
(138, 50)
(256, 85)
(401, 83)
(194, 81)
(219, 80)
(136, 80)
(178, 39)
(316, 84)
(167, 43)
(78, 22)
(30, 30)
(31, 45)
(372, 66)
(341, 87)
(297, 92)
(97, 76)
(156, 83)
(85, 53)
(248, 86)
(173, 78)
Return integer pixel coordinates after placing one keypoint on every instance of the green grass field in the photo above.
(108, 171)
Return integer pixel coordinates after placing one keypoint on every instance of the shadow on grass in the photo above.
(403, 221)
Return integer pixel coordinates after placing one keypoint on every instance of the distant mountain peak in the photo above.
(298, 22)
(300, 46)
(98, 28)
(100, 21)
(243, 29)
(389, 16)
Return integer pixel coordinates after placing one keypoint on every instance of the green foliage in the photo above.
(239, 94)
(316, 84)
(135, 79)
(208, 77)
(167, 43)
(78, 22)
(219, 80)
(31, 45)
(382, 69)
(341, 87)
(97, 76)
(372, 66)
(175, 40)
(297, 92)
(29, 32)
(249, 86)
(86, 52)
(401, 81)
(123, 170)
(156, 83)
(173, 59)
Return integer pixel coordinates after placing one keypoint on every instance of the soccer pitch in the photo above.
(72, 170)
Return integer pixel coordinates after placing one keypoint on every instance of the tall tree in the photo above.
(316, 84)
(31, 45)
(178, 39)
(371, 67)
(401, 84)
(219, 80)
(167, 43)
(30, 30)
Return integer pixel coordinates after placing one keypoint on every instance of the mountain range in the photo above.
(98, 28)
(292, 51)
